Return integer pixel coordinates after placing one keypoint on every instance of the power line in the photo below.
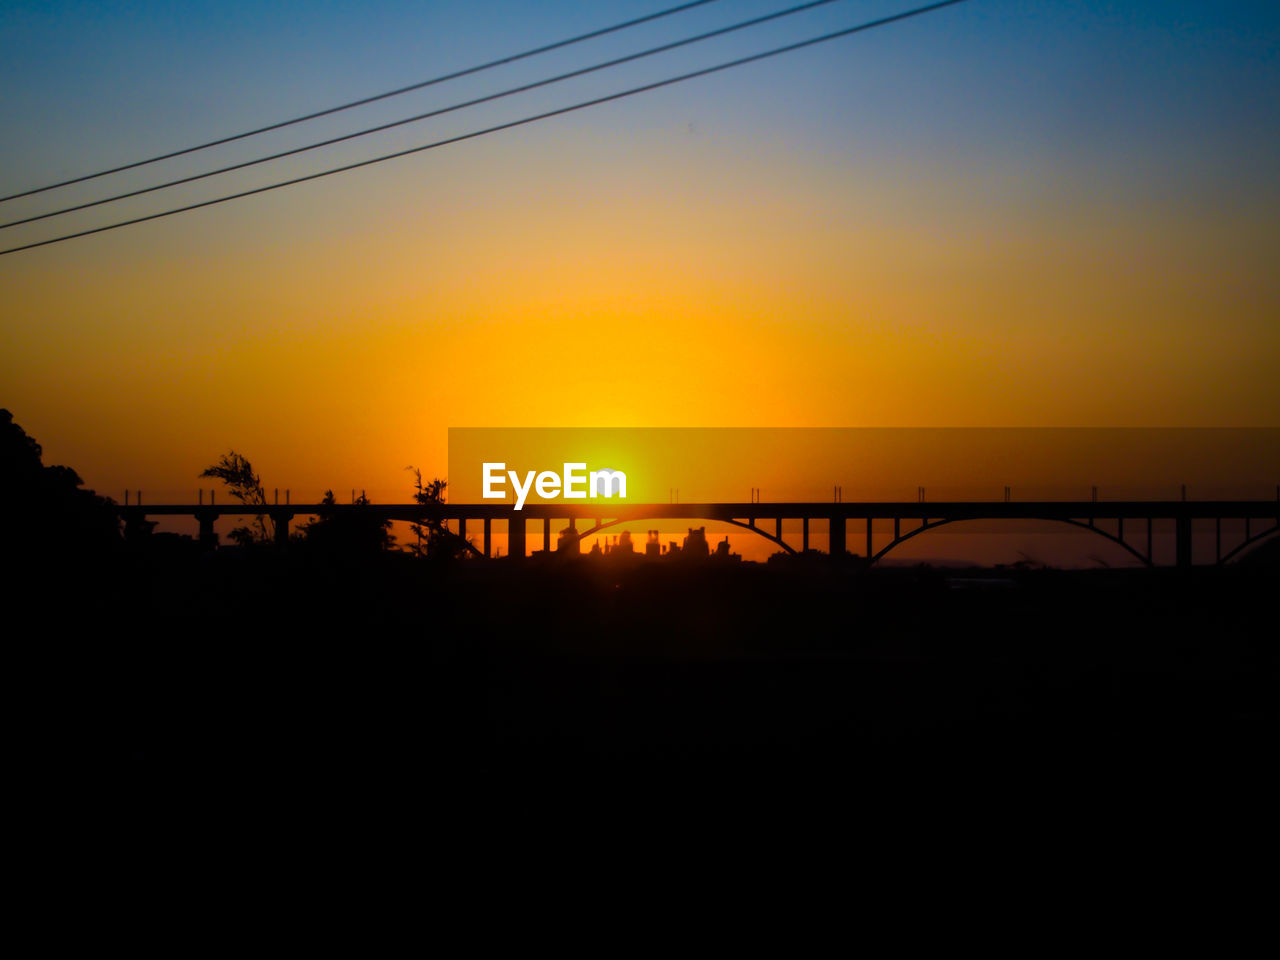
(523, 88)
(558, 45)
(582, 105)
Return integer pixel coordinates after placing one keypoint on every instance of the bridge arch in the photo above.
(927, 525)
(1249, 541)
(934, 524)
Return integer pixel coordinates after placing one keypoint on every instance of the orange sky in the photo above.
(671, 265)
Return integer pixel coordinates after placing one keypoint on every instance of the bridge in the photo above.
(1127, 523)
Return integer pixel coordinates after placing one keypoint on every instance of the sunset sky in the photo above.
(999, 214)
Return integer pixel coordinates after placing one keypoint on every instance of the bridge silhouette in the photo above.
(1133, 521)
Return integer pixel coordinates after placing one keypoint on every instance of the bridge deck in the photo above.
(616, 509)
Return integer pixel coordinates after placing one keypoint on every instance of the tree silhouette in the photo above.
(353, 532)
(44, 510)
(433, 537)
(246, 486)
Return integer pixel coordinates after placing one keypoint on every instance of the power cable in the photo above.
(511, 91)
(558, 45)
(582, 105)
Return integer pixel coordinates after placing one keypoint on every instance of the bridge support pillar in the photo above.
(208, 537)
(488, 537)
(836, 548)
(804, 535)
(515, 538)
(1182, 536)
(281, 521)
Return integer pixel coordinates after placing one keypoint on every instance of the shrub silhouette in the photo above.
(356, 531)
(434, 539)
(44, 510)
(246, 486)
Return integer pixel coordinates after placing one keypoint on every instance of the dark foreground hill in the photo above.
(263, 671)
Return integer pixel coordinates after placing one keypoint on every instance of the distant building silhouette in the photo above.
(652, 548)
(695, 544)
(567, 540)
